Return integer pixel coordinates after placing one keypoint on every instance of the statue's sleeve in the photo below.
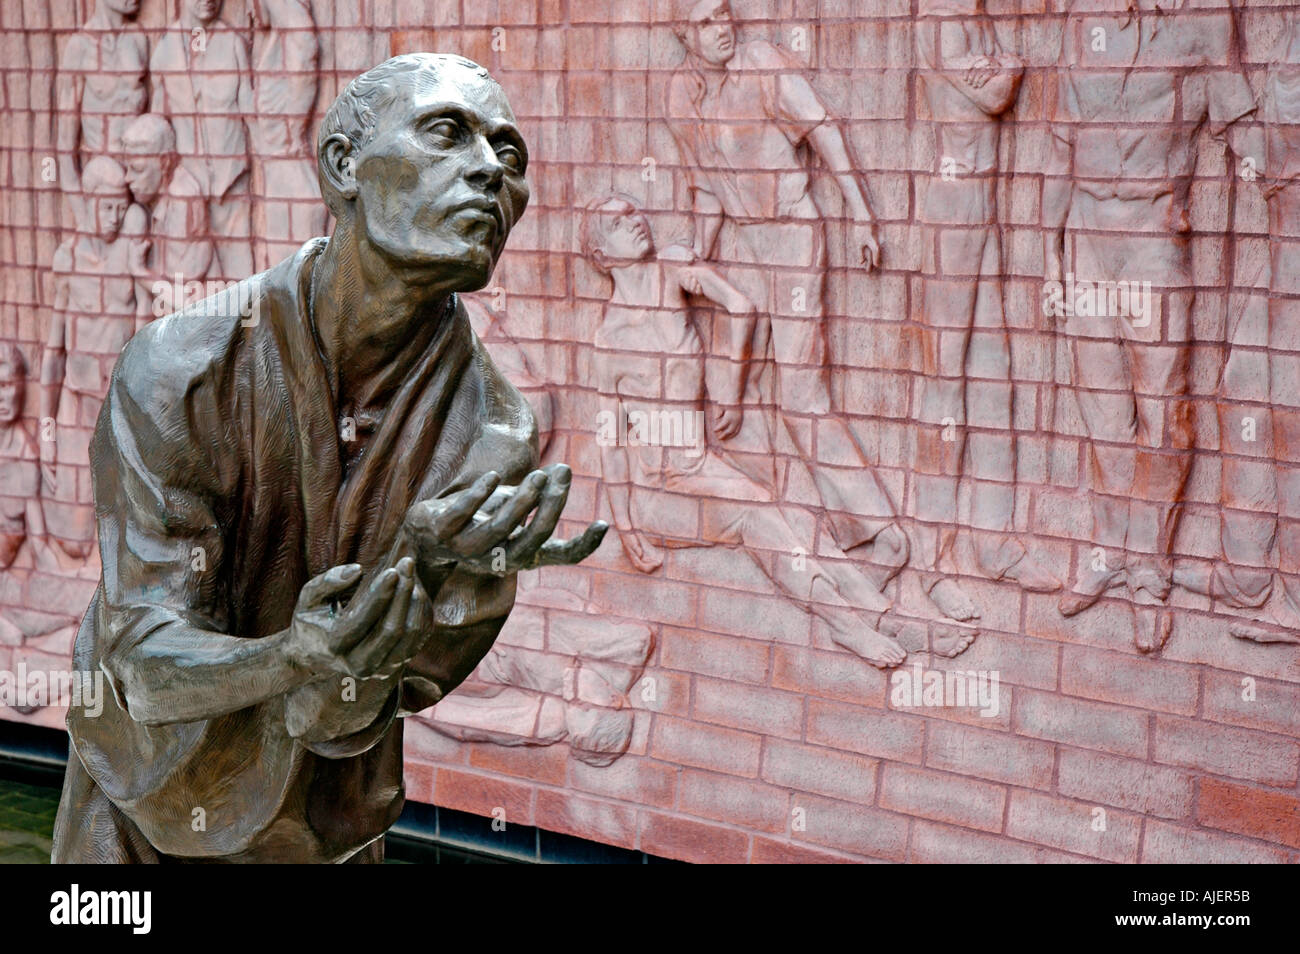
(159, 499)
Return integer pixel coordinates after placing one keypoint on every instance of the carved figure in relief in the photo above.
(743, 114)
(181, 249)
(665, 485)
(965, 490)
(201, 82)
(102, 84)
(20, 511)
(1257, 578)
(285, 79)
(95, 312)
(1116, 208)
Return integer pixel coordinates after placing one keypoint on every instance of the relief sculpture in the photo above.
(965, 491)
(739, 112)
(102, 84)
(284, 97)
(650, 368)
(201, 81)
(1118, 259)
(1255, 580)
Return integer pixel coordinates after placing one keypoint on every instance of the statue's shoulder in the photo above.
(169, 357)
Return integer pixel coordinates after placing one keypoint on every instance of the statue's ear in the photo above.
(338, 165)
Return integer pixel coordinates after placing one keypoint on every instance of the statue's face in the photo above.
(441, 183)
(128, 8)
(144, 175)
(204, 10)
(11, 395)
(712, 32)
(627, 236)
(110, 210)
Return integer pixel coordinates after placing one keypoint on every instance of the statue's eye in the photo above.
(445, 128)
(511, 158)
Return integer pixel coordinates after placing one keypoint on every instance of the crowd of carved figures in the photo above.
(185, 158)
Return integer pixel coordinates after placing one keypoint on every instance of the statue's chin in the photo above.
(469, 263)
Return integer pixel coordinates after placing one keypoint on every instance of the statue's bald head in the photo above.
(356, 111)
(421, 159)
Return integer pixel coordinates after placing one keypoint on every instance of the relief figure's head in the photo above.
(707, 30)
(615, 232)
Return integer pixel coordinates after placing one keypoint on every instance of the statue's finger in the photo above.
(332, 582)
(376, 646)
(573, 550)
(480, 536)
(366, 609)
(530, 540)
(447, 516)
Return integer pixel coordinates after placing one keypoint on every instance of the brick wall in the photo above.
(695, 712)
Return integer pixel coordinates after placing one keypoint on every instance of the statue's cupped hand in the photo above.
(486, 529)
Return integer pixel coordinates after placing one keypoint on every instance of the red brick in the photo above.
(948, 798)
(671, 692)
(704, 746)
(684, 840)
(1124, 783)
(1073, 721)
(806, 768)
(1068, 825)
(935, 844)
(888, 735)
(832, 675)
(727, 657)
(480, 794)
(637, 597)
(1224, 751)
(629, 779)
(745, 614)
(1274, 708)
(998, 756)
(767, 711)
(547, 765)
(1129, 680)
(739, 802)
(1164, 844)
(419, 781)
(852, 828)
(768, 851)
(571, 814)
(1243, 810)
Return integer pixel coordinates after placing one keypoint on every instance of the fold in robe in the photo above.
(223, 440)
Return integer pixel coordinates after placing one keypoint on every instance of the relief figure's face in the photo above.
(627, 236)
(205, 11)
(712, 35)
(11, 395)
(110, 210)
(144, 175)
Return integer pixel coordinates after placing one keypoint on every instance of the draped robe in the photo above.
(219, 437)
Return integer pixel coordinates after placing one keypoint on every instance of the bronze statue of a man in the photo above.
(313, 496)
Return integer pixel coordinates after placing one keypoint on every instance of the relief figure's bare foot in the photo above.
(1032, 576)
(852, 632)
(953, 601)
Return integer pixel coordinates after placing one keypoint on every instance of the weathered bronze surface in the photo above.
(313, 495)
